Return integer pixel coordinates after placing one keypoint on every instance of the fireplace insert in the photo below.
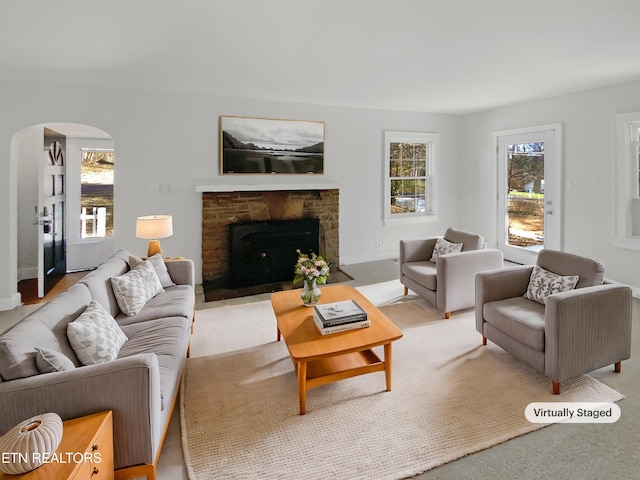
(262, 252)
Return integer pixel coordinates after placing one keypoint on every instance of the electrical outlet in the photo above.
(378, 245)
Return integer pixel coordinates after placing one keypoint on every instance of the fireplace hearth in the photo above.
(263, 252)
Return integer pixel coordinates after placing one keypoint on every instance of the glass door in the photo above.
(528, 196)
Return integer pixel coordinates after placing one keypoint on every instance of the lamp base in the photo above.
(154, 247)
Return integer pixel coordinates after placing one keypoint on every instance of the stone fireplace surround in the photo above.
(224, 203)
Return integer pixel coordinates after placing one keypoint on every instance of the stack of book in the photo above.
(339, 317)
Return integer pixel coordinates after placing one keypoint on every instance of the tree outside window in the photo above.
(96, 193)
(409, 174)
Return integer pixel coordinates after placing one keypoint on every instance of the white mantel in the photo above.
(266, 183)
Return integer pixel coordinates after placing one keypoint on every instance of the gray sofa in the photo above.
(572, 331)
(140, 386)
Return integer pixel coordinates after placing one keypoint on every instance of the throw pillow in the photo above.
(443, 247)
(543, 283)
(136, 287)
(48, 361)
(158, 263)
(95, 336)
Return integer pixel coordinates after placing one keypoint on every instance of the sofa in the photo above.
(442, 269)
(42, 357)
(560, 316)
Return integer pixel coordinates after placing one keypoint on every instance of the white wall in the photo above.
(588, 170)
(173, 139)
(30, 151)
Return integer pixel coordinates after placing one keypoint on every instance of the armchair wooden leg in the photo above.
(617, 367)
(556, 387)
(406, 291)
(484, 340)
(447, 315)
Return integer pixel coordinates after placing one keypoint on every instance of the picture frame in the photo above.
(252, 145)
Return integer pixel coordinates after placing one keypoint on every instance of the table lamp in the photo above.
(153, 227)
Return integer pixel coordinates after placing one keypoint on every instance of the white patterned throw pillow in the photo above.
(158, 263)
(95, 336)
(443, 247)
(543, 283)
(136, 287)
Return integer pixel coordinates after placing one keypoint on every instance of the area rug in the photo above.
(450, 397)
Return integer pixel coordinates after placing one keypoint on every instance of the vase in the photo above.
(30, 443)
(310, 293)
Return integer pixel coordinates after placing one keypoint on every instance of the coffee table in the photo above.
(321, 359)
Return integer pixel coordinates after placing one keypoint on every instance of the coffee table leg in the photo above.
(302, 385)
(387, 365)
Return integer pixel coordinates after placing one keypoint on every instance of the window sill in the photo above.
(389, 221)
(630, 243)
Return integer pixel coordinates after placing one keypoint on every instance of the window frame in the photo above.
(627, 142)
(84, 150)
(75, 146)
(430, 140)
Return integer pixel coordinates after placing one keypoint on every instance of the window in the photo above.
(96, 193)
(627, 127)
(410, 160)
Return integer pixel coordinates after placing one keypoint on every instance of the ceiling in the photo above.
(440, 56)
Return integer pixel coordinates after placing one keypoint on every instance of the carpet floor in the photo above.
(450, 397)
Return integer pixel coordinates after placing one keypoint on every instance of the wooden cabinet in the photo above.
(85, 452)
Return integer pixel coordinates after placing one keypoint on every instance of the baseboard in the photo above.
(11, 302)
(27, 273)
(368, 257)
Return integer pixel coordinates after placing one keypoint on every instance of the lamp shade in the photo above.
(154, 226)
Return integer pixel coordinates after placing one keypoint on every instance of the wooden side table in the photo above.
(85, 452)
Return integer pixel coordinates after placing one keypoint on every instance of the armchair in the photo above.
(448, 282)
(568, 333)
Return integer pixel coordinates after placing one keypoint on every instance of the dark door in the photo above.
(52, 210)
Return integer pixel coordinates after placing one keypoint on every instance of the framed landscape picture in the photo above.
(270, 146)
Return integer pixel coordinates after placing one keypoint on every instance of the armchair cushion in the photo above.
(589, 272)
(469, 240)
(543, 283)
(423, 273)
(443, 247)
(519, 318)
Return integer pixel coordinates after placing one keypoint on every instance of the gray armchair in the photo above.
(448, 284)
(572, 332)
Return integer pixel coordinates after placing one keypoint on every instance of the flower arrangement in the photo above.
(311, 267)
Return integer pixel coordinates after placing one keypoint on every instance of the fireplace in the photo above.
(222, 208)
(265, 251)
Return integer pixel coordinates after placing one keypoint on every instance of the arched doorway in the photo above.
(43, 227)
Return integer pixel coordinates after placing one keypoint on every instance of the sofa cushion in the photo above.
(175, 301)
(444, 247)
(168, 338)
(543, 283)
(95, 336)
(136, 287)
(45, 328)
(158, 263)
(48, 361)
(423, 273)
(519, 318)
(99, 281)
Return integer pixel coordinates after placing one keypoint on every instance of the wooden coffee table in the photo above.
(321, 359)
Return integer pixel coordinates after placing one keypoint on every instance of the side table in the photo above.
(85, 452)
